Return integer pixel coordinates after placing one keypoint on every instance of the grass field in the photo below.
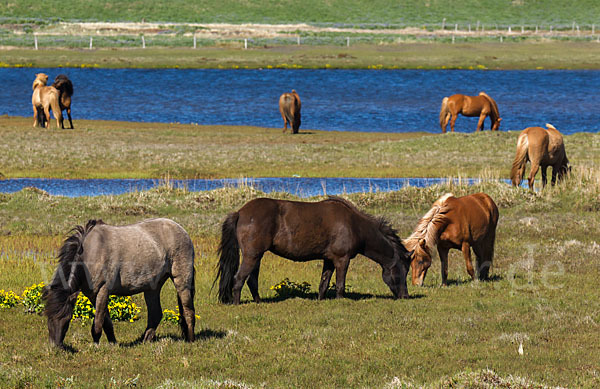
(544, 292)
(409, 55)
(376, 13)
(103, 149)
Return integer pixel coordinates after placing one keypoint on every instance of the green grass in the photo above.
(103, 149)
(406, 55)
(544, 295)
(346, 12)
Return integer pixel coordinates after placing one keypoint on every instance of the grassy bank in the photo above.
(103, 149)
(377, 13)
(544, 296)
(405, 55)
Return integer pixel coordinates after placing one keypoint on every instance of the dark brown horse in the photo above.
(482, 106)
(99, 260)
(333, 230)
(290, 107)
(65, 88)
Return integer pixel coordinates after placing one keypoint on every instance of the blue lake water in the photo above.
(303, 187)
(356, 100)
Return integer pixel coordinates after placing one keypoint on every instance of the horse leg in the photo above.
(325, 277)
(466, 250)
(47, 114)
(108, 328)
(544, 176)
(253, 282)
(446, 120)
(152, 298)
(452, 122)
(285, 124)
(484, 253)
(187, 313)
(242, 274)
(35, 116)
(481, 122)
(341, 268)
(70, 120)
(534, 169)
(555, 169)
(101, 304)
(443, 252)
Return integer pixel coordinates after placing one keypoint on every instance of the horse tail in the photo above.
(518, 167)
(229, 261)
(68, 276)
(443, 112)
(493, 104)
(548, 125)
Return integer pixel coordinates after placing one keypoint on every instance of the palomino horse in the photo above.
(290, 106)
(482, 106)
(455, 223)
(65, 88)
(99, 260)
(43, 99)
(333, 230)
(543, 147)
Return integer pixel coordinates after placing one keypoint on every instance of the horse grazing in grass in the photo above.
(43, 99)
(455, 223)
(65, 89)
(99, 260)
(333, 230)
(482, 106)
(543, 147)
(289, 107)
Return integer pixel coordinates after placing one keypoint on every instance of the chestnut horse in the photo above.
(482, 106)
(99, 260)
(65, 88)
(289, 107)
(455, 223)
(43, 99)
(543, 147)
(333, 230)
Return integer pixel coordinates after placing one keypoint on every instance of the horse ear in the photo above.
(410, 253)
(422, 243)
(499, 119)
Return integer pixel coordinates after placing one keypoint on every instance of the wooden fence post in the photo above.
(143, 42)
(35, 41)
(195, 41)
(91, 43)
(245, 43)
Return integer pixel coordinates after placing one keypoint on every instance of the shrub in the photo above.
(170, 316)
(287, 288)
(32, 298)
(8, 299)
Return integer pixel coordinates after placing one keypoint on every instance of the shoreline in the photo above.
(552, 55)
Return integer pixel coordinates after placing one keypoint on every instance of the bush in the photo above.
(9, 299)
(32, 298)
(170, 316)
(287, 288)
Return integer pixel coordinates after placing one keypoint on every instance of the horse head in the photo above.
(41, 79)
(496, 124)
(420, 262)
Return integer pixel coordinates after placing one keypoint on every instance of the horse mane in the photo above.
(67, 276)
(429, 226)
(548, 125)
(63, 84)
(495, 112)
(41, 79)
(384, 226)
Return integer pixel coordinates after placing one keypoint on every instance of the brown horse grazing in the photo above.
(333, 230)
(455, 223)
(65, 88)
(543, 147)
(99, 260)
(290, 106)
(482, 106)
(43, 99)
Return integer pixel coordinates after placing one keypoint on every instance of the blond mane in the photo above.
(429, 225)
(41, 79)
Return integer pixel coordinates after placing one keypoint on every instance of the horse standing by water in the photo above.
(543, 147)
(43, 99)
(65, 89)
(482, 106)
(99, 260)
(333, 230)
(455, 223)
(290, 107)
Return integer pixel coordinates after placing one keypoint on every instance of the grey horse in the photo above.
(99, 260)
